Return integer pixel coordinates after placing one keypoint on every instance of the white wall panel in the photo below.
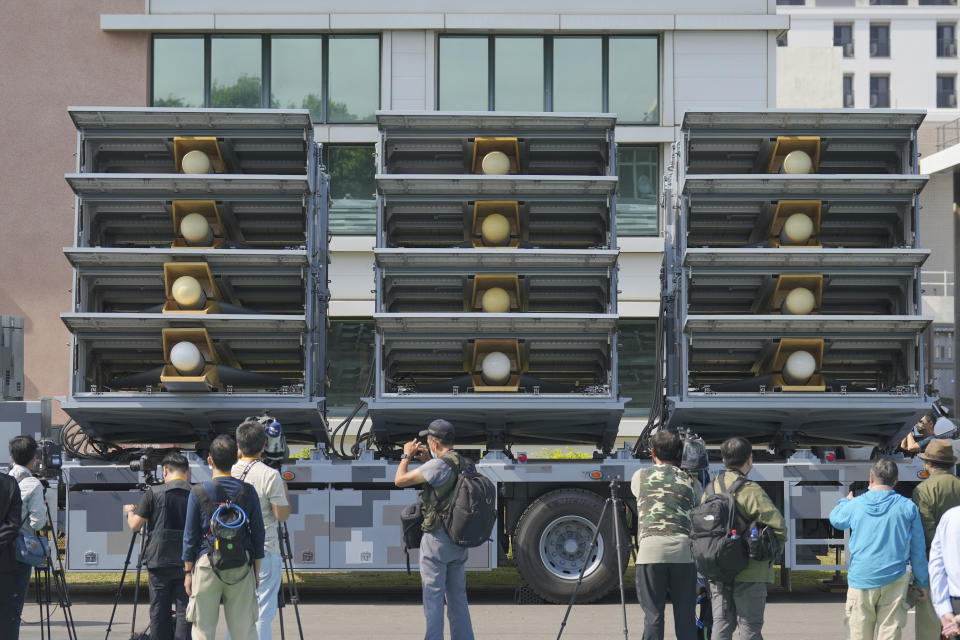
(719, 70)
(408, 57)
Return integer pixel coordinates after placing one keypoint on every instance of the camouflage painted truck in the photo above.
(495, 307)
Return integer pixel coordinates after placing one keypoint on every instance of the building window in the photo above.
(638, 172)
(353, 208)
(947, 40)
(848, 90)
(946, 91)
(879, 40)
(782, 39)
(637, 363)
(551, 73)
(937, 2)
(843, 38)
(178, 72)
(350, 352)
(888, 2)
(796, 3)
(880, 92)
(336, 77)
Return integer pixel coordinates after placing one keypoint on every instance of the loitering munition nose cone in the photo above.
(796, 230)
(797, 161)
(188, 293)
(495, 368)
(495, 229)
(799, 302)
(495, 300)
(187, 359)
(495, 163)
(195, 161)
(196, 230)
(799, 368)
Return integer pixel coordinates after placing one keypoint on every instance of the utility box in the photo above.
(11, 358)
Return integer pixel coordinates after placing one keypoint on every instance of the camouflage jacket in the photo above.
(665, 496)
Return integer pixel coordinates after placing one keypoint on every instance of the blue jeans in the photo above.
(271, 574)
(443, 575)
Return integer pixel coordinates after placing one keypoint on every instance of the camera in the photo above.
(149, 470)
(49, 462)
(276, 449)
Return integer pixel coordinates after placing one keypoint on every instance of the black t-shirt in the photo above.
(174, 504)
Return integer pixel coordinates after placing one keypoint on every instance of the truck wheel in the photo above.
(551, 543)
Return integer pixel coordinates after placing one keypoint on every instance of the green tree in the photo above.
(246, 93)
(352, 172)
(170, 101)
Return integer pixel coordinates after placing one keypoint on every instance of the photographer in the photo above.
(917, 443)
(33, 515)
(274, 506)
(163, 509)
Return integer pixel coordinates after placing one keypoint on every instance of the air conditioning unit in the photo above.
(874, 100)
(848, 101)
(848, 50)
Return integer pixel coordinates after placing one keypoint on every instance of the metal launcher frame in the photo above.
(556, 265)
(263, 268)
(728, 272)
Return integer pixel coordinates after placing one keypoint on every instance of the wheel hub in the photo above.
(564, 547)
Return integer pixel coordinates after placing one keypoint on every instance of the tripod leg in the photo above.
(136, 588)
(583, 569)
(616, 534)
(123, 575)
(286, 556)
(58, 574)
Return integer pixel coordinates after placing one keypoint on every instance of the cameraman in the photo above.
(914, 444)
(163, 508)
(33, 515)
(275, 508)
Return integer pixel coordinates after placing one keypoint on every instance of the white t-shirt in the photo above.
(269, 486)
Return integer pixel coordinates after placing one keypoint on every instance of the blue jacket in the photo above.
(885, 533)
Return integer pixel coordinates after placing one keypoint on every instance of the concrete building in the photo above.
(647, 61)
(898, 54)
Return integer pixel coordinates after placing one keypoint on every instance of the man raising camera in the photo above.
(163, 510)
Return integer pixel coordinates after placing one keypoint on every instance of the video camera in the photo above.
(49, 461)
(276, 449)
(148, 467)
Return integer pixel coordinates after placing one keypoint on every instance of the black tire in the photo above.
(567, 517)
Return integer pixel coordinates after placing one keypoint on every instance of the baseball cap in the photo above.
(439, 428)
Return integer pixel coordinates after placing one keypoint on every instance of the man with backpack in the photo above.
(163, 510)
(442, 561)
(886, 533)
(222, 549)
(33, 517)
(665, 496)
(748, 536)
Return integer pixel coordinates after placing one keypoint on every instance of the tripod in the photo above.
(50, 573)
(286, 555)
(613, 502)
(142, 533)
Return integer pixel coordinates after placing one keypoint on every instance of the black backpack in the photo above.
(228, 538)
(719, 556)
(471, 508)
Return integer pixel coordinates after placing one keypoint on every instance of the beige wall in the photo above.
(56, 55)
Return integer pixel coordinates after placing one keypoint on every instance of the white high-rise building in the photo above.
(896, 54)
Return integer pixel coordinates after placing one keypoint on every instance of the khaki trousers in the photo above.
(883, 609)
(239, 602)
(927, 623)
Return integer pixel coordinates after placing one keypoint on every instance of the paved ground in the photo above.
(396, 614)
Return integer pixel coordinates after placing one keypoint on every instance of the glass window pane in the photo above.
(634, 79)
(354, 79)
(350, 351)
(638, 173)
(577, 71)
(352, 188)
(637, 366)
(235, 73)
(518, 73)
(296, 74)
(178, 72)
(463, 82)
